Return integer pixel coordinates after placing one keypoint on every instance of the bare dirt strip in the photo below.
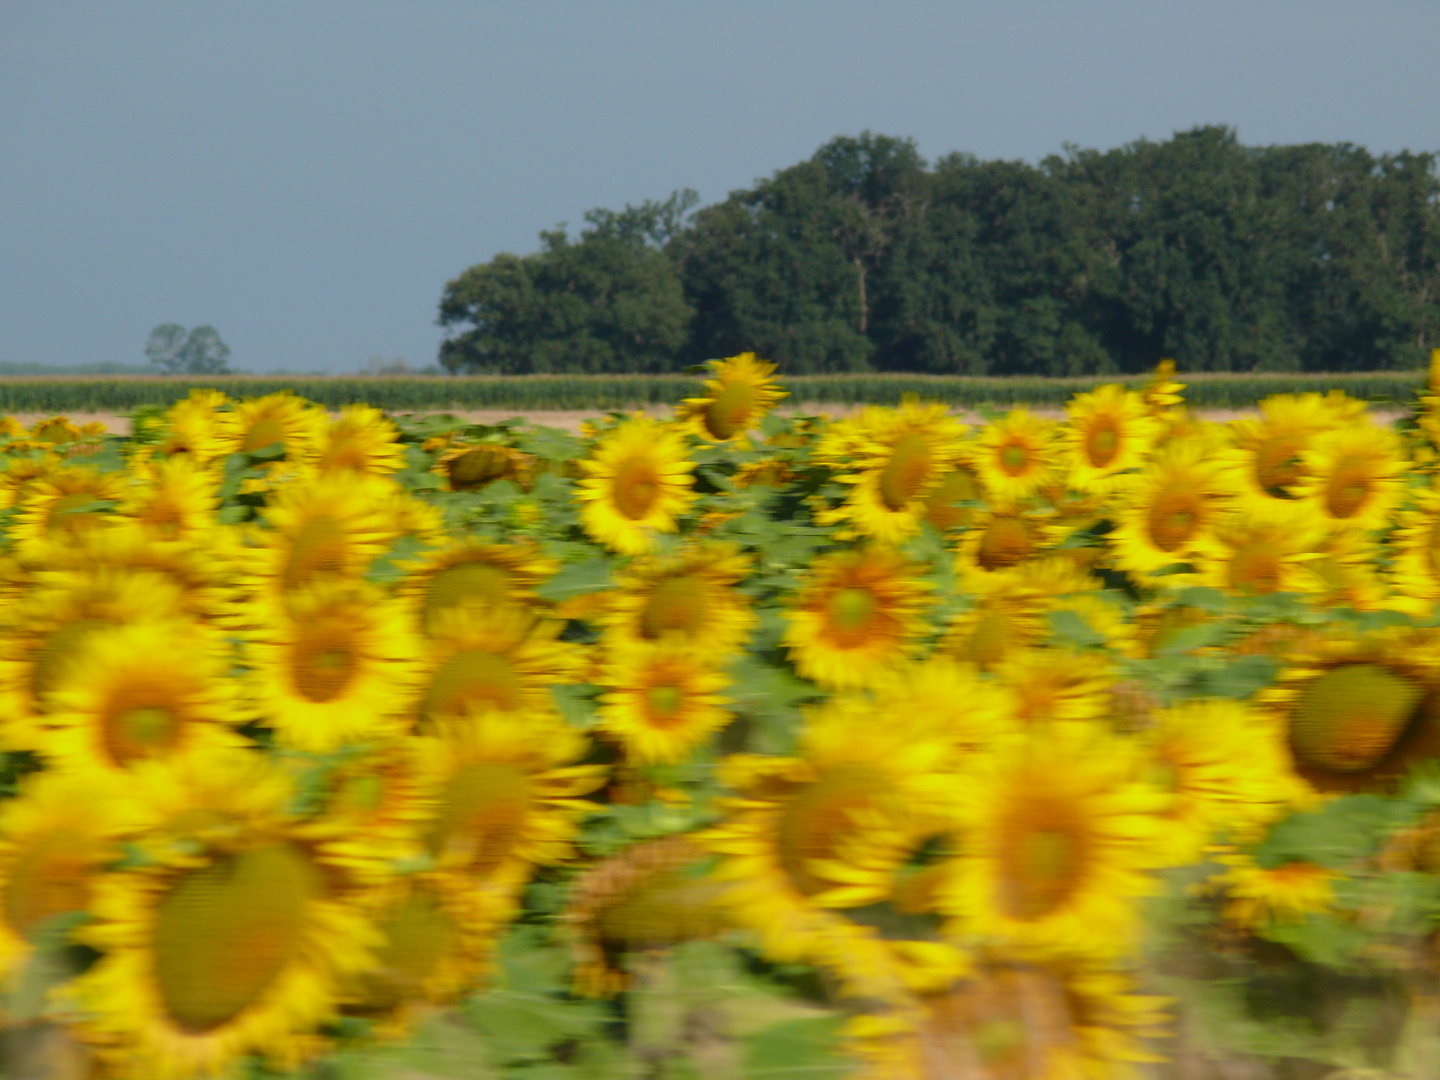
(571, 419)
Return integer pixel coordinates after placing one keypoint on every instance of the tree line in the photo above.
(1225, 257)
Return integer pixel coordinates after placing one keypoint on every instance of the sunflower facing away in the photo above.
(739, 392)
(637, 482)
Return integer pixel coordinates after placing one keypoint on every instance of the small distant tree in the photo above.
(378, 365)
(197, 352)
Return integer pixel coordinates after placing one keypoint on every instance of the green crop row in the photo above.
(82, 394)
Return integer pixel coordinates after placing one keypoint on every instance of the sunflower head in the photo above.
(1110, 431)
(660, 701)
(1015, 456)
(363, 441)
(283, 420)
(637, 482)
(688, 597)
(739, 392)
(467, 573)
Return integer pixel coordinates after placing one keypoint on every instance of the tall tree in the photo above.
(608, 301)
(198, 352)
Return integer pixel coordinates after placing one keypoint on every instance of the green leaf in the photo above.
(1070, 628)
(798, 1048)
(577, 579)
(1189, 638)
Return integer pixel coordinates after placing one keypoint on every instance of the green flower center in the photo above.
(730, 412)
(1349, 718)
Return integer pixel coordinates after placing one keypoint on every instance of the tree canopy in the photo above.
(1225, 257)
(196, 352)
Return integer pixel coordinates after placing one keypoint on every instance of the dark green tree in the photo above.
(607, 301)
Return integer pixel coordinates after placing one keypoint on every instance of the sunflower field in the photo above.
(731, 745)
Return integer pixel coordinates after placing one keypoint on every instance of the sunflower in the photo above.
(277, 420)
(944, 506)
(1039, 1022)
(1015, 457)
(137, 692)
(507, 799)
(1357, 710)
(950, 700)
(1229, 775)
(19, 474)
(336, 665)
(44, 632)
(202, 570)
(1268, 452)
(900, 457)
(1009, 608)
(661, 701)
(175, 499)
(1355, 476)
(54, 431)
(1262, 549)
(1110, 432)
(689, 596)
(360, 441)
(504, 660)
(1059, 838)
(858, 613)
(64, 504)
(650, 895)
(432, 951)
(809, 836)
(739, 392)
(1416, 546)
(55, 837)
(1256, 896)
(202, 427)
(229, 939)
(468, 573)
(470, 466)
(329, 529)
(374, 797)
(1003, 536)
(637, 480)
(1049, 687)
(1162, 393)
(1169, 510)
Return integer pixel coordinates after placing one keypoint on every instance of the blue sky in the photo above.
(306, 177)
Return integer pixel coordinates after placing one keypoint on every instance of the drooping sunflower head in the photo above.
(858, 614)
(1355, 476)
(137, 692)
(1357, 710)
(660, 701)
(336, 664)
(739, 393)
(1110, 431)
(647, 896)
(637, 483)
(471, 466)
(361, 440)
(1016, 456)
(466, 573)
(690, 597)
